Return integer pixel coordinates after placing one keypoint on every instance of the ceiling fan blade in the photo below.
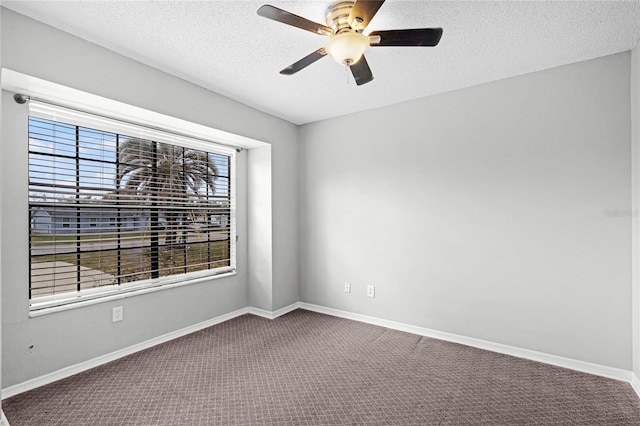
(414, 37)
(304, 62)
(362, 13)
(285, 17)
(361, 72)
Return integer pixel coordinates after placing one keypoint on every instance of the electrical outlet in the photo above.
(117, 314)
(371, 291)
(347, 287)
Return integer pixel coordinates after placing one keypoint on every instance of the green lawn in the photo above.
(172, 259)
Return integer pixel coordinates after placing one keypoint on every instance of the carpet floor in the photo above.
(306, 368)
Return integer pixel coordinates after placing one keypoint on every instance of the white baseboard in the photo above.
(275, 314)
(585, 367)
(635, 383)
(95, 362)
(3, 419)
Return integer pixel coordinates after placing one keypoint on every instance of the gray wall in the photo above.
(1, 202)
(498, 212)
(635, 211)
(260, 232)
(70, 337)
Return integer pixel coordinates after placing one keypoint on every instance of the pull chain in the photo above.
(346, 71)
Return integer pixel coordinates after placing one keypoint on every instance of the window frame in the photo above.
(63, 301)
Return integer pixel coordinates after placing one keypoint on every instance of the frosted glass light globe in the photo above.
(347, 47)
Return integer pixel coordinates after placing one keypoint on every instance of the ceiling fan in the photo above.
(346, 20)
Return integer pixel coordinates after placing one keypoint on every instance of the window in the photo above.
(129, 207)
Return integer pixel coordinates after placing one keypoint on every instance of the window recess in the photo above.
(115, 207)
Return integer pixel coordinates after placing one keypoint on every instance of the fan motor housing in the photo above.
(337, 16)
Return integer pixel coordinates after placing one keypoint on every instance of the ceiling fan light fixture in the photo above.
(346, 20)
(347, 47)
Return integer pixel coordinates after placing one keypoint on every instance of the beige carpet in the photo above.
(309, 368)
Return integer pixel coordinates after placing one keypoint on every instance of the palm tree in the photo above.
(166, 174)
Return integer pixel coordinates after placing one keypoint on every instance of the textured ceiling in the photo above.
(226, 47)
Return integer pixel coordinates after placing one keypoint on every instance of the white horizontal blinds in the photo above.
(108, 209)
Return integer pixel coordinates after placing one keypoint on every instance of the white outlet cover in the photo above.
(371, 291)
(117, 314)
(347, 287)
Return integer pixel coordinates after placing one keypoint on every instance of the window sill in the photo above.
(45, 308)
